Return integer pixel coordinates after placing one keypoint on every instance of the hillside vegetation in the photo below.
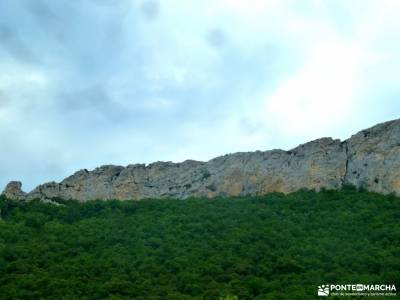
(273, 247)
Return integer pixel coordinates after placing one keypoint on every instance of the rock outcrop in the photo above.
(369, 159)
(13, 191)
(374, 158)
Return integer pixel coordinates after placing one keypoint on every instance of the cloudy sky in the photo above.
(86, 83)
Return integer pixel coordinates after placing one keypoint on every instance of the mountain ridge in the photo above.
(369, 159)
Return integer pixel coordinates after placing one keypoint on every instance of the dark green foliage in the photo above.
(272, 247)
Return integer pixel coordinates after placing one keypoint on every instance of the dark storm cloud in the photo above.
(94, 50)
(91, 105)
(90, 98)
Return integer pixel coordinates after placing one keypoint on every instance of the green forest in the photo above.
(271, 247)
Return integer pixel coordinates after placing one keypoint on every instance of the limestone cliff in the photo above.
(374, 158)
(369, 159)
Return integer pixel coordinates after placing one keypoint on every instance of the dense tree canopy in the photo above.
(272, 247)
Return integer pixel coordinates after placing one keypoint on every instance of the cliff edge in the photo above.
(369, 159)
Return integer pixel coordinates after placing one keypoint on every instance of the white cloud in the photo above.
(14, 76)
(321, 94)
(251, 8)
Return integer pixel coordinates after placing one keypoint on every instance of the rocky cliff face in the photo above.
(369, 159)
(374, 158)
(13, 191)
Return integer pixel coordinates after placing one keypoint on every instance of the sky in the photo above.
(88, 83)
